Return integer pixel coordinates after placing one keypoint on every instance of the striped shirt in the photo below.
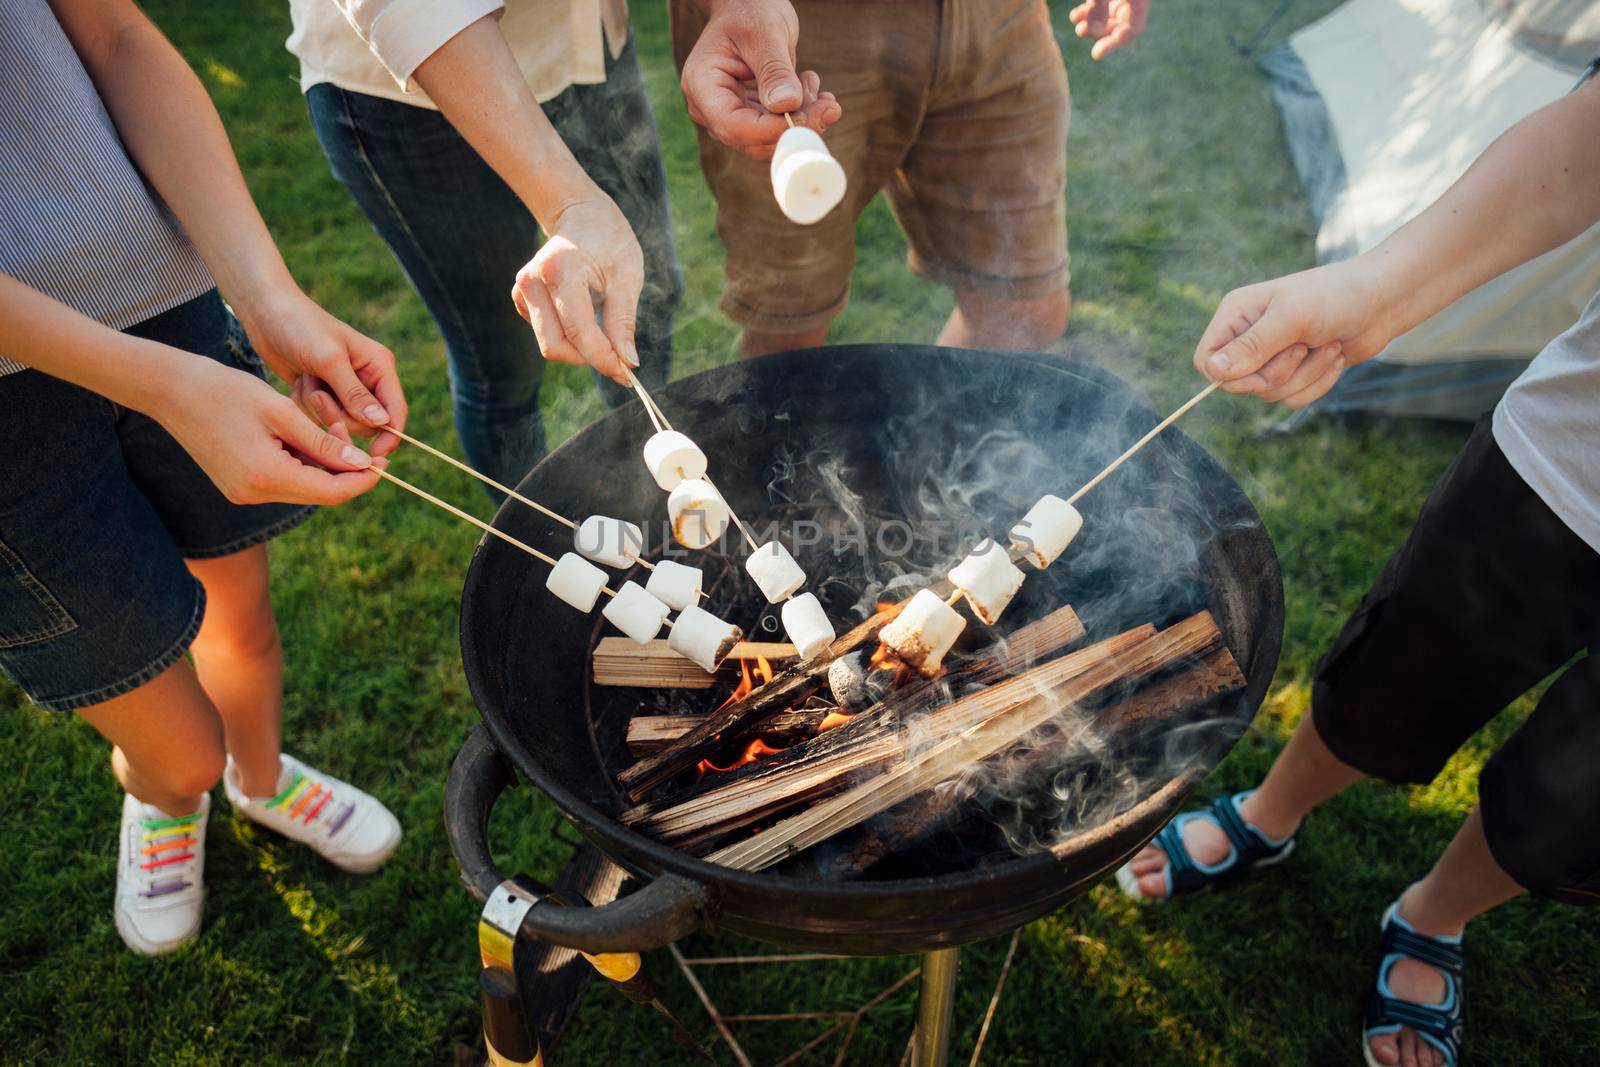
(77, 221)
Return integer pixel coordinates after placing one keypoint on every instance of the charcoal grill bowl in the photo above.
(890, 413)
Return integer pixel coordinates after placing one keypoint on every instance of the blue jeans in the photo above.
(461, 235)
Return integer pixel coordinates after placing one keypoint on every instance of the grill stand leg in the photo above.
(931, 1042)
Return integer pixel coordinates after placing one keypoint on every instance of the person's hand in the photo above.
(299, 340)
(740, 79)
(255, 444)
(1112, 23)
(591, 255)
(1290, 338)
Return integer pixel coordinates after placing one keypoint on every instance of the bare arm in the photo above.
(174, 135)
(1532, 190)
(592, 255)
(248, 438)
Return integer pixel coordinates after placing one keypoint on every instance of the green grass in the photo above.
(1180, 189)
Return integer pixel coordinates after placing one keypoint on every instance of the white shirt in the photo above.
(1548, 425)
(374, 46)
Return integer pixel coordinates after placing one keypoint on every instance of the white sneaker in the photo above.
(161, 864)
(345, 826)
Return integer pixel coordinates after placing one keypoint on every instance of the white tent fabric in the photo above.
(1386, 103)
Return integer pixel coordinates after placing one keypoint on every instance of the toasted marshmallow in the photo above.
(674, 585)
(923, 632)
(610, 541)
(698, 512)
(636, 613)
(1046, 530)
(775, 571)
(807, 625)
(807, 181)
(576, 580)
(672, 457)
(988, 579)
(700, 636)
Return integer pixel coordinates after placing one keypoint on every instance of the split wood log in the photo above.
(787, 690)
(619, 661)
(828, 761)
(1164, 700)
(1195, 636)
(652, 733)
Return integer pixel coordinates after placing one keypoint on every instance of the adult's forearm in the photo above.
(1532, 190)
(476, 83)
(47, 335)
(175, 136)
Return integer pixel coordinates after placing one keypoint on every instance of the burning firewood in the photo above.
(652, 733)
(618, 661)
(991, 732)
(1162, 701)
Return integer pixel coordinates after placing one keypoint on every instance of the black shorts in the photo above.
(99, 508)
(1490, 594)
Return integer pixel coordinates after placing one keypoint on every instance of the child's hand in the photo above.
(1112, 23)
(255, 444)
(1290, 338)
(298, 339)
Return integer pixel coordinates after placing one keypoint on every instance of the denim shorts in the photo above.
(99, 509)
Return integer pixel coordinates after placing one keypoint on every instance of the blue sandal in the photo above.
(1248, 848)
(1440, 1025)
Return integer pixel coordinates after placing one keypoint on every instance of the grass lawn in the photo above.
(1180, 189)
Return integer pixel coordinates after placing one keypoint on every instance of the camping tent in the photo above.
(1386, 103)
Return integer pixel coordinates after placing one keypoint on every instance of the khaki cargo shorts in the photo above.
(957, 110)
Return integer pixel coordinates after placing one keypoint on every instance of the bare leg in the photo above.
(167, 740)
(239, 660)
(1304, 775)
(984, 320)
(757, 343)
(1464, 883)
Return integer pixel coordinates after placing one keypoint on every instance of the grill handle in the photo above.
(665, 910)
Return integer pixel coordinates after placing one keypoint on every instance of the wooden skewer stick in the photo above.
(1146, 439)
(479, 523)
(484, 478)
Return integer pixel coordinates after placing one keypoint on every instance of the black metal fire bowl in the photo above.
(857, 439)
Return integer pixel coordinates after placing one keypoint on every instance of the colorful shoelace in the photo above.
(168, 842)
(306, 799)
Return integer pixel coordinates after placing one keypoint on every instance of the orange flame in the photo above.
(752, 752)
(833, 719)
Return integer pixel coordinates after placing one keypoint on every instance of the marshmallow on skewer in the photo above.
(1046, 530)
(576, 580)
(806, 179)
(775, 572)
(674, 585)
(807, 625)
(698, 513)
(610, 541)
(636, 613)
(672, 457)
(700, 636)
(924, 632)
(988, 579)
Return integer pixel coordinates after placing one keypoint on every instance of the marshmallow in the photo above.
(636, 613)
(698, 635)
(1046, 530)
(698, 512)
(924, 632)
(610, 541)
(775, 571)
(988, 579)
(807, 625)
(674, 585)
(806, 179)
(672, 457)
(577, 581)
